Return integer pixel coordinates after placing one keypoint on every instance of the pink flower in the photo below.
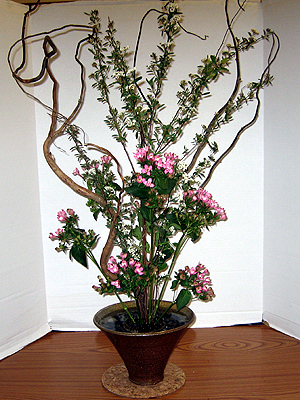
(193, 271)
(147, 169)
(57, 233)
(158, 162)
(171, 157)
(168, 169)
(222, 214)
(124, 264)
(149, 183)
(112, 259)
(113, 268)
(139, 179)
(76, 172)
(139, 269)
(70, 211)
(131, 262)
(62, 216)
(123, 255)
(141, 153)
(151, 157)
(106, 159)
(116, 284)
(191, 193)
(198, 289)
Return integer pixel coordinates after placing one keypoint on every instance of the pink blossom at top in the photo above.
(106, 159)
(123, 255)
(70, 212)
(141, 153)
(62, 216)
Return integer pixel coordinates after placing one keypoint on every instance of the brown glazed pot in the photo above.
(145, 355)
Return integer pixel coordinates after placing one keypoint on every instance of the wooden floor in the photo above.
(236, 363)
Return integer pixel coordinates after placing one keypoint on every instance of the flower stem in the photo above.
(166, 310)
(180, 245)
(125, 307)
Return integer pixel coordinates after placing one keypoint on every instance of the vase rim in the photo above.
(131, 304)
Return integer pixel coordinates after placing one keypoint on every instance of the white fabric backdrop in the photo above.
(23, 312)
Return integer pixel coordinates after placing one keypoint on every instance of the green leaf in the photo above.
(137, 190)
(96, 214)
(183, 299)
(137, 232)
(174, 284)
(165, 185)
(78, 253)
(116, 186)
(173, 221)
(162, 267)
(146, 212)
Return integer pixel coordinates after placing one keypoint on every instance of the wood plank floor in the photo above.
(236, 363)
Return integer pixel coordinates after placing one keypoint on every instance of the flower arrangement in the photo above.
(163, 212)
(152, 212)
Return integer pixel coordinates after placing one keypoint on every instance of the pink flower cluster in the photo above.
(62, 216)
(199, 275)
(114, 267)
(144, 156)
(201, 195)
(147, 182)
(106, 159)
(57, 233)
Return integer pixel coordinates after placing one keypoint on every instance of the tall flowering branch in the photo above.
(155, 209)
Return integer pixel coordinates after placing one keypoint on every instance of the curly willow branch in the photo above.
(50, 51)
(231, 97)
(107, 249)
(271, 59)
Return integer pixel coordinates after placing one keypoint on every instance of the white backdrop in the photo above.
(23, 312)
(282, 174)
(233, 250)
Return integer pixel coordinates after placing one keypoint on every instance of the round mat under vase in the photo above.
(116, 381)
